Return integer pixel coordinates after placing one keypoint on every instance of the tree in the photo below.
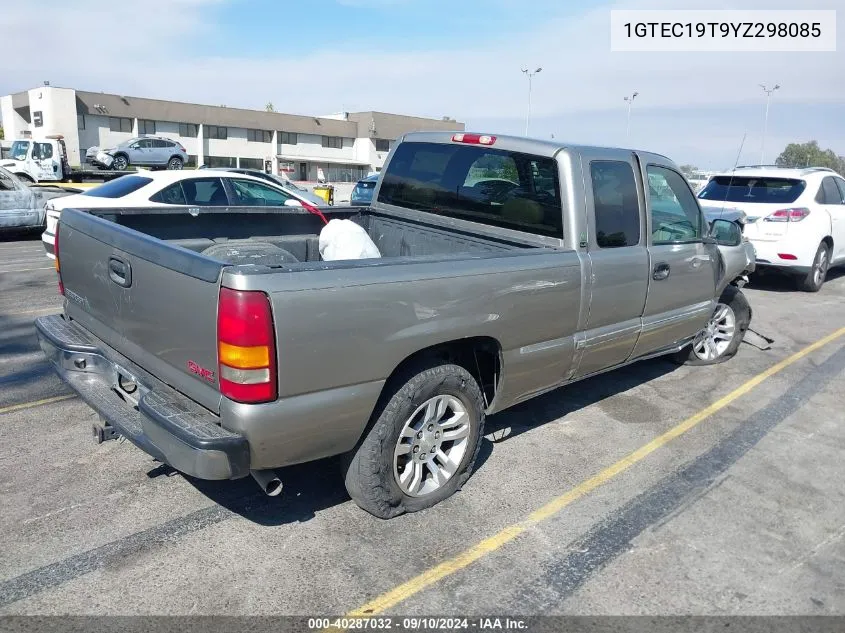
(810, 155)
(2, 134)
(688, 170)
(269, 107)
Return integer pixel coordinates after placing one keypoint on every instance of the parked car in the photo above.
(21, 206)
(149, 151)
(362, 194)
(291, 187)
(554, 267)
(795, 217)
(207, 188)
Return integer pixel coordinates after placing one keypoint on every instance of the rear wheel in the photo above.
(422, 445)
(723, 334)
(120, 163)
(174, 163)
(814, 279)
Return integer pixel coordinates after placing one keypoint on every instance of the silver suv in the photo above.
(149, 151)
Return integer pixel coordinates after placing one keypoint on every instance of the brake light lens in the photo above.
(56, 259)
(787, 215)
(246, 346)
(473, 139)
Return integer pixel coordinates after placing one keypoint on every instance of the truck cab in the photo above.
(38, 159)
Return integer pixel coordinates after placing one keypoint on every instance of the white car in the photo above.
(794, 217)
(201, 188)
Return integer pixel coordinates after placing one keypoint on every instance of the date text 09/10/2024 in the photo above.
(418, 624)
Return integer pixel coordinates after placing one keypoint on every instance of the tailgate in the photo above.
(153, 302)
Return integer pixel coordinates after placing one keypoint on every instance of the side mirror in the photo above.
(292, 202)
(726, 233)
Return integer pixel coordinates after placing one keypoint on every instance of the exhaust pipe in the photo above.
(269, 482)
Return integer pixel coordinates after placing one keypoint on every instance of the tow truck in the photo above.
(44, 159)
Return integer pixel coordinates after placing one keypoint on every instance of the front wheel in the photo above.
(814, 279)
(723, 334)
(422, 445)
(174, 163)
(120, 162)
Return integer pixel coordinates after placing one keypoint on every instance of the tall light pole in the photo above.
(630, 102)
(528, 115)
(768, 92)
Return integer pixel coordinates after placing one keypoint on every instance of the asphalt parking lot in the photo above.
(624, 494)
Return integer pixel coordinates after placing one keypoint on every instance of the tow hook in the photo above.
(103, 433)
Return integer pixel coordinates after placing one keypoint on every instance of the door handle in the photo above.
(660, 271)
(120, 272)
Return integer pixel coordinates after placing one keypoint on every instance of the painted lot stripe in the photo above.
(467, 557)
(48, 310)
(26, 270)
(35, 403)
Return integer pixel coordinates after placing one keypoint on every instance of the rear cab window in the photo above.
(478, 183)
(119, 187)
(758, 190)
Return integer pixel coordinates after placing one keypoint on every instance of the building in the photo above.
(345, 146)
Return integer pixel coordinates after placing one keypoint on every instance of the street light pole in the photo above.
(528, 115)
(768, 92)
(630, 101)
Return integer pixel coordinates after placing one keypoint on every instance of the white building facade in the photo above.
(346, 146)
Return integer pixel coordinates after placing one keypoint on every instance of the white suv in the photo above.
(794, 217)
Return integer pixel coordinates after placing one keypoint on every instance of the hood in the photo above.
(728, 212)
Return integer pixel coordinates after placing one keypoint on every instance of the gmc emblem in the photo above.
(202, 372)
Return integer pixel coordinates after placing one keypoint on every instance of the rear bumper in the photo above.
(154, 417)
(769, 254)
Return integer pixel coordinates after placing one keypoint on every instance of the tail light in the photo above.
(787, 215)
(246, 346)
(312, 209)
(473, 139)
(56, 260)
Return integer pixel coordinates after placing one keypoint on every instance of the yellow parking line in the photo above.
(467, 557)
(35, 403)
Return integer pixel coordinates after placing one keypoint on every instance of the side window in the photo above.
(841, 184)
(172, 194)
(617, 210)
(249, 193)
(829, 192)
(675, 216)
(6, 183)
(207, 192)
(42, 151)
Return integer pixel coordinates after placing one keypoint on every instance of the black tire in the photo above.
(121, 162)
(814, 280)
(369, 469)
(733, 298)
(175, 163)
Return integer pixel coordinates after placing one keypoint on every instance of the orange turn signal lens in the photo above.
(244, 357)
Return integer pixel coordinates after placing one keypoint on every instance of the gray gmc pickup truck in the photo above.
(219, 342)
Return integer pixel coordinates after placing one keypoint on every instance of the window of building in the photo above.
(334, 142)
(249, 193)
(288, 138)
(216, 131)
(252, 163)
(80, 121)
(145, 126)
(120, 124)
(616, 209)
(382, 145)
(675, 215)
(37, 118)
(188, 130)
(259, 136)
(495, 187)
(221, 161)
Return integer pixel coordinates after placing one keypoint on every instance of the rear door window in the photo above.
(172, 194)
(615, 204)
(759, 190)
(118, 187)
(829, 192)
(207, 192)
(249, 193)
(482, 184)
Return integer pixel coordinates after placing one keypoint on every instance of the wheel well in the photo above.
(175, 156)
(24, 177)
(481, 356)
(829, 241)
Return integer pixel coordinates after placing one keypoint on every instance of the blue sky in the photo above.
(460, 58)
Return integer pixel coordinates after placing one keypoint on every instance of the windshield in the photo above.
(759, 190)
(19, 150)
(119, 187)
(364, 191)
